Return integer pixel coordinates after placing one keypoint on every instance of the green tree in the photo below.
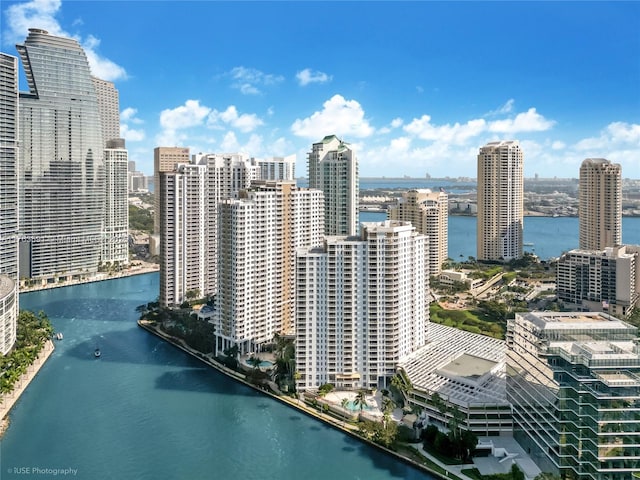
(361, 400)
(344, 403)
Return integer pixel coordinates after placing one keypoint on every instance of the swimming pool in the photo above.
(351, 405)
(263, 363)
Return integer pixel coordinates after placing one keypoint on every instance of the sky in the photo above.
(415, 87)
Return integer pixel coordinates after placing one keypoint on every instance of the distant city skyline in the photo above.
(265, 79)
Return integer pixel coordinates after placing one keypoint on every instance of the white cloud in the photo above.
(529, 121)
(129, 115)
(307, 76)
(396, 122)
(338, 116)
(456, 133)
(624, 132)
(245, 122)
(502, 110)
(190, 114)
(247, 80)
(230, 143)
(558, 145)
(42, 14)
(131, 135)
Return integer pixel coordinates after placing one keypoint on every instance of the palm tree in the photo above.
(361, 400)
(344, 403)
(255, 362)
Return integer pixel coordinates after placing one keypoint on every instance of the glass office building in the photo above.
(61, 168)
(573, 380)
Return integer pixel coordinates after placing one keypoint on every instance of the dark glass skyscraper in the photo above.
(61, 167)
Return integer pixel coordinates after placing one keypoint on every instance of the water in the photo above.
(550, 236)
(146, 410)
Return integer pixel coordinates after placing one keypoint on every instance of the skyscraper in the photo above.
(429, 212)
(8, 201)
(184, 267)
(109, 107)
(259, 233)
(500, 201)
(165, 159)
(333, 168)
(600, 204)
(115, 247)
(362, 306)
(61, 168)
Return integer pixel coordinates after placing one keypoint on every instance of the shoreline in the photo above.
(300, 406)
(8, 400)
(124, 273)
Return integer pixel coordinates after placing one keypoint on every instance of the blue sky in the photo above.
(415, 87)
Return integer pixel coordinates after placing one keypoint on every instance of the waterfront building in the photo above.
(259, 234)
(115, 246)
(500, 201)
(468, 372)
(333, 168)
(184, 235)
(165, 159)
(600, 280)
(361, 306)
(600, 204)
(429, 212)
(61, 168)
(8, 201)
(573, 380)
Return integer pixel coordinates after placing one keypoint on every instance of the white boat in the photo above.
(59, 336)
(97, 353)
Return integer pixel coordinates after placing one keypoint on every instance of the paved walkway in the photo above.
(8, 400)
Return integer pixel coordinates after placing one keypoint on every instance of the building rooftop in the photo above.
(574, 320)
(464, 368)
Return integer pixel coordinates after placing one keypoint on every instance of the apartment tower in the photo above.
(362, 306)
(333, 168)
(259, 234)
(184, 234)
(429, 212)
(600, 204)
(61, 168)
(8, 201)
(165, 159)
(115, 246)
(500, 201)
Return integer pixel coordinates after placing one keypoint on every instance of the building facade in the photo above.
(361, 306)
(276, 168)
(259, 234)
(600, 280)
(109, 107)
(500, 201)
(573, 380)
(115, 249)
(600, 204)
(165, 159)
(185, 261)
(429, 212)
(8, 201)
(333, 168)
(61, 168)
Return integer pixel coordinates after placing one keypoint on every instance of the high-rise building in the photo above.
(61, 168)
(429, 212)
(115, 249)
(165, 159)
(361, 306)
(600, 204)
(276, 168)
(259, 234)
(109, 106)
(8, 201)
(184, 234)
(573, 380)
(600, 280)
(333, 168)
(500, 201)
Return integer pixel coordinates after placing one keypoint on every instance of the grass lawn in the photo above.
(470, 320)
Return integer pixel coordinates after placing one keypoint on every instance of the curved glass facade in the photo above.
(61, 168)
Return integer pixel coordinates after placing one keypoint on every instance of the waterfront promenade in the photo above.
(431, 464)
(8, 400)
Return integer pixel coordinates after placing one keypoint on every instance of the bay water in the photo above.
(147, 410)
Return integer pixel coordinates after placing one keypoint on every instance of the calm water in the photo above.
(550, 236)
(146, 410)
